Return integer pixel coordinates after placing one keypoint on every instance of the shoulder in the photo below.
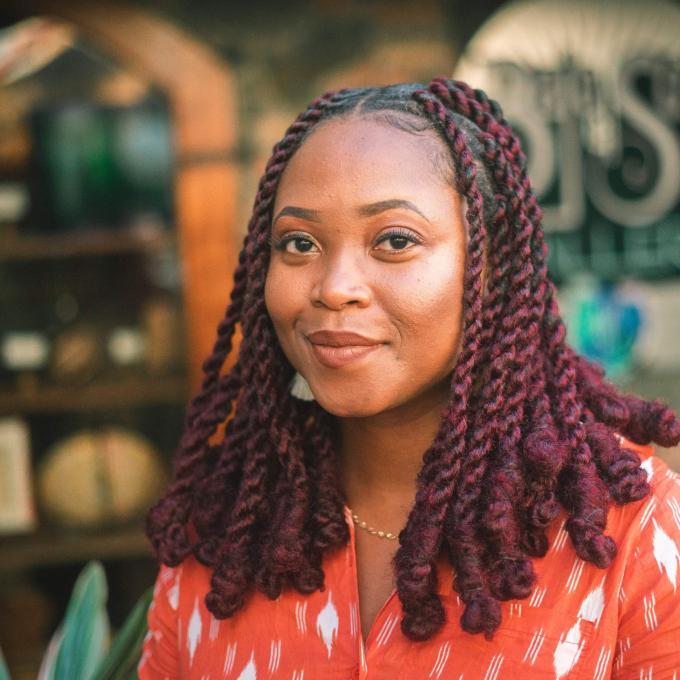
(176, 587)
(661, 502)
(162, 650)
(647, 532)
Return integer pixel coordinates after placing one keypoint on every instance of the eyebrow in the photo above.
(375, 208)
(302, 213)
(368, 210)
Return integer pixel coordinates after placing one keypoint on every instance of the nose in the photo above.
(341, 282)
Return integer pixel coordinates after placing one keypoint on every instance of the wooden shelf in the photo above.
(50, 547)
(103, 395)
(82, 243)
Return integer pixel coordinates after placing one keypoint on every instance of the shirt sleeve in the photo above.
(159, 659)
(648, 644)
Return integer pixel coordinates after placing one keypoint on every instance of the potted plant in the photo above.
(81, 647)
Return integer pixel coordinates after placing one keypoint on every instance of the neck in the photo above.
(380, 456)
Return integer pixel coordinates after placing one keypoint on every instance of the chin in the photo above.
(348, 407)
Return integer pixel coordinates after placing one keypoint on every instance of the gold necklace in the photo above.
(376, 532)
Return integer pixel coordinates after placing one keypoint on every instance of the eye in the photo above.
(302, 244)
(398, 239)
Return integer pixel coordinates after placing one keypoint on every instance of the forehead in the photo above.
(363, 154)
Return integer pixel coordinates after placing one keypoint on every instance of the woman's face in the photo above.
(368, 237)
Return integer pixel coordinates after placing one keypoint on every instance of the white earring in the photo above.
(299, 388)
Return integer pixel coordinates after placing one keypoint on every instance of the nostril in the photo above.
(338, 291)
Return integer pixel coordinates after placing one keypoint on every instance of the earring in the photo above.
(300, 389)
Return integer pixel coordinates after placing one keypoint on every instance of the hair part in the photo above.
(530, 426)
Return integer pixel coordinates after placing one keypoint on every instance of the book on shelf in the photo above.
(17, 507)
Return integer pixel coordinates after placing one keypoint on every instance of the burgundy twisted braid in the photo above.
(528, 419)
(416, 570)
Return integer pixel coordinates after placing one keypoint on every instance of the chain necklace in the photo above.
(376, 532)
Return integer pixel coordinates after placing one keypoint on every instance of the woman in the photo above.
(404, 371)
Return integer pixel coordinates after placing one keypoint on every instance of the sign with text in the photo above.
(593, 89)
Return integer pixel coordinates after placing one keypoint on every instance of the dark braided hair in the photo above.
(530, 425)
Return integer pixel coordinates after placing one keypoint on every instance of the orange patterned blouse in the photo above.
(579, 622)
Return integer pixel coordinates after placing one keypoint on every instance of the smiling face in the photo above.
(368, 237)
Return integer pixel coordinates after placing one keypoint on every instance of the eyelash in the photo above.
(280, 244)
(399, 233)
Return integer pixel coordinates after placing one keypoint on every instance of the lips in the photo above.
(336, 349)
(340, 339)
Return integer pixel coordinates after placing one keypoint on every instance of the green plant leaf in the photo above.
(49, 659)
(4, 672)
(85, 626)
(121, 661)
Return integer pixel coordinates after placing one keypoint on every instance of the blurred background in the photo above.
(132, 137)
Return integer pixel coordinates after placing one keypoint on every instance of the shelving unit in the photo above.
(50, 547)
(111, 275)
(91, 243)
(107, 396)
(199, 242)
(128, 393)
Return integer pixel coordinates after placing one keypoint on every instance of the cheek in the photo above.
(277, 305)
(279, 295)
(285, 298)
(426, 305)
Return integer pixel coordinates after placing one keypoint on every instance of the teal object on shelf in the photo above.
(100, 166)
(606, 327)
